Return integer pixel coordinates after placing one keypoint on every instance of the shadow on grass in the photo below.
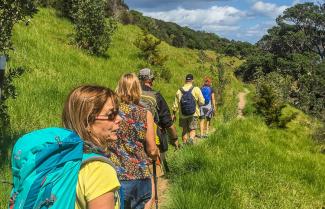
(7, 141)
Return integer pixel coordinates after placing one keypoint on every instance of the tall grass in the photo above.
(247, 165)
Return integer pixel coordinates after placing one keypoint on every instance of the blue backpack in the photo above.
(45, 168)
(206, 91)
(188, 103)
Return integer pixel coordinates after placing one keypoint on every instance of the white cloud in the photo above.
(304, 1)
(258, 30)
(268, 9)
(213, 19)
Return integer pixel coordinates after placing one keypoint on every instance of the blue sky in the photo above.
(244, 20)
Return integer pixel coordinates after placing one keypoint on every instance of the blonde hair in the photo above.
(128, 89)
(82, 106)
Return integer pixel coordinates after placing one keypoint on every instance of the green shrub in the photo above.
(271, 92)
(149, 49)
(93, 30)
(150, 53)
(8, 91)
(319, 136)
(222, 80)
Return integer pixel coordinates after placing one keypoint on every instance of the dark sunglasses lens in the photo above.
(113, 115)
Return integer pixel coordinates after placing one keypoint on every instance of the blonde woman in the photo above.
(135, 145)
(92, 112)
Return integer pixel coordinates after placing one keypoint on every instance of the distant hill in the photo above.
(175, 35)
(178, 36)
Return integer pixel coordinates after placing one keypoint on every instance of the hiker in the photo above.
(62, 168)
(208, 109)
(135, 148)
(92, 112)
(162, 117)
(155, 103)
(187, 102)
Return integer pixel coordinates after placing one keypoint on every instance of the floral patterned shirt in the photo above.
(128, 151)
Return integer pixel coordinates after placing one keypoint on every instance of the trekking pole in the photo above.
(155, 182)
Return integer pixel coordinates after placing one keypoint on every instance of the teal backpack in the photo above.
(45, 167)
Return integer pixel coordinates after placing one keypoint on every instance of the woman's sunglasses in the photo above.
(111, 116)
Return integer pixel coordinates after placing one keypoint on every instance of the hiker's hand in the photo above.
(173, 117)
(156, 155)
(176, 145)
(174, 142)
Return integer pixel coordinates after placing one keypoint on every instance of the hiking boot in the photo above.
(199, 136)
(205, 136)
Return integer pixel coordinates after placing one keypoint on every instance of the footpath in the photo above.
(241, 103)
(163, 183)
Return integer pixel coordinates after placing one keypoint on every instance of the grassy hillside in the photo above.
(243, 165)
(54, 66)
(247, 165)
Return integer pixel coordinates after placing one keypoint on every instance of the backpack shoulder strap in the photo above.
(90, 157)
(190, 90)
(182, 90)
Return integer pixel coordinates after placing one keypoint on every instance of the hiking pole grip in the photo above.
(154, 165)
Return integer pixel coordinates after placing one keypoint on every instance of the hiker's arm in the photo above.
(175, 107)
(199, 94)
(172, 134)
(151, 147)
(105, 201)
(214, 101)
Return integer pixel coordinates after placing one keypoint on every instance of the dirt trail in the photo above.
(241, 103)
(162, 192)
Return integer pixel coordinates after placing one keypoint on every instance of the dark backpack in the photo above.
(206, 91)
(188, 103)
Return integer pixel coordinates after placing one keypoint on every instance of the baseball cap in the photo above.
(189, 77)
(146, 73)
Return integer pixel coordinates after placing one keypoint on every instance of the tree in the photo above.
(93, 30)
(293, 48)
(11, 12)
(310, 19)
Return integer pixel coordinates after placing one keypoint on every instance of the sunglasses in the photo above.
(111, 116)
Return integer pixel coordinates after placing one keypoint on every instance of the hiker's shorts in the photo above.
(206, 111)
(189, 123)
(136, 193)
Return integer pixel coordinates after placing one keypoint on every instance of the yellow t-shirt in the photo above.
(95, 179)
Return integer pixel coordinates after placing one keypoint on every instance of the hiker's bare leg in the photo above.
(150, 203)
(192, 134)
(207, 123)
(202, 126)
(207, 126)
(184, 135)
